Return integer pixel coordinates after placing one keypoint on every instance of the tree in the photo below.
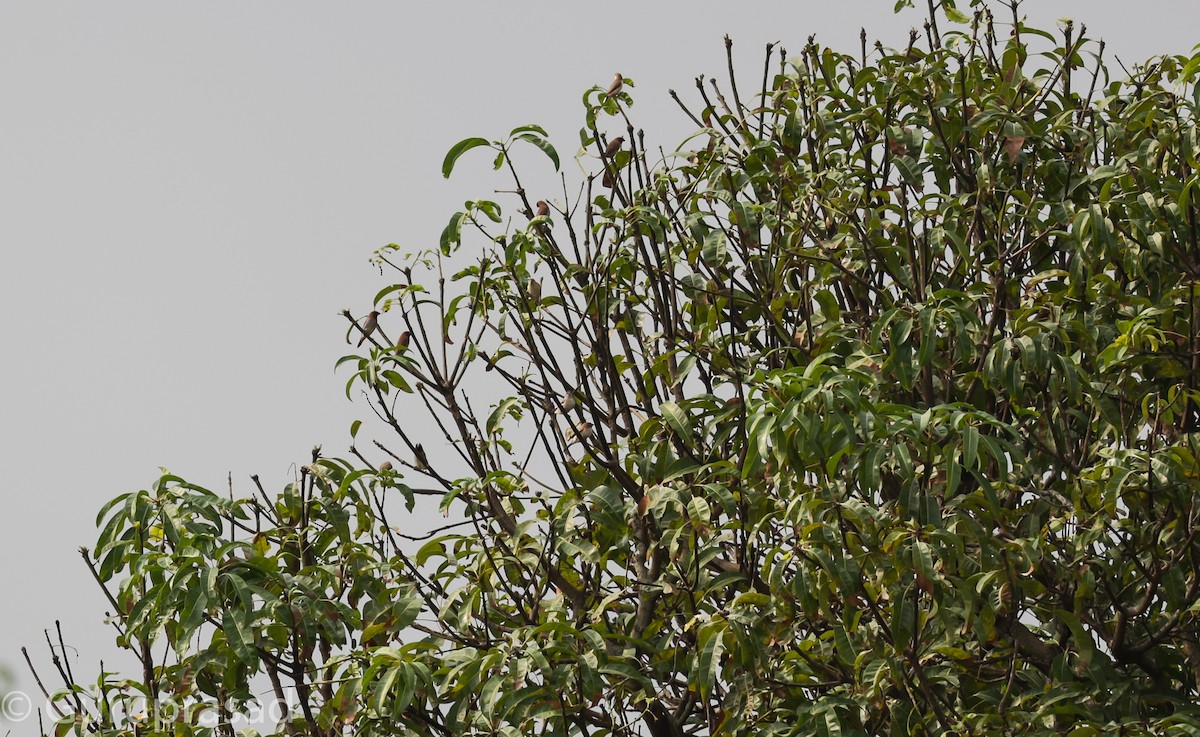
(872, 409)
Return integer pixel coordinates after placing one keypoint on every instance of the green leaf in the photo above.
(677, 420)
(458, 150)
(528, 128)
(608, 504)
(923, 560)
(435, 547)
(383, 688)
(407, 609)
(397, 380)
(452, 233)
(955, 14)
(490, 209)
(236, 626)
(716, 248)
(543, 145)
(953, 473)
(508, 407)
(628, 672)
(104, 510)
(970, 446)
(828, 304)
(708, 660)
(1081, 639)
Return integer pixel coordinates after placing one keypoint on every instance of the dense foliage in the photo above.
(873, 409)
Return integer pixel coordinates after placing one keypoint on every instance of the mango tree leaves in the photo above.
(872, 410)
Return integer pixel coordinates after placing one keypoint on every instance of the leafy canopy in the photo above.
(872, 409)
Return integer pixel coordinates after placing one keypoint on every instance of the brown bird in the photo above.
(613, 147)
(535, 290)
(422, 461)
(583, 430)
(1012, 147)
(385, 466)
(542, 209)
(614, 89)
(368, 326)
(403, 340)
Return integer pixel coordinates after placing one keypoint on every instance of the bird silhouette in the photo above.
(422, 460)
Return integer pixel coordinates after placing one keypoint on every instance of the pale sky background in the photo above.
(190, 191)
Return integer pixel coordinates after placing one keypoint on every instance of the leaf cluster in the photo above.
(872, 409)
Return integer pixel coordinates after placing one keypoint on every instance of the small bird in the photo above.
(535, 290)
(403, 341)
(583, 430)
(613, 147)
(1012, 147)
(543, 209)
(422, 461)
(385, 466)
(368, 326)
(569, 402)
(614, 89)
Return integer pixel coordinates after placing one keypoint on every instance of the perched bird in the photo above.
(403, 341)
(583, 430)
(1012, 147)
(614, 89)
(569, 402)
(543, 209)
(368, 326)
(422, 461)
(535, 290)
(385, 466)
(613, 147)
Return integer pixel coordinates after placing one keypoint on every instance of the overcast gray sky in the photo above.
(189, 193)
